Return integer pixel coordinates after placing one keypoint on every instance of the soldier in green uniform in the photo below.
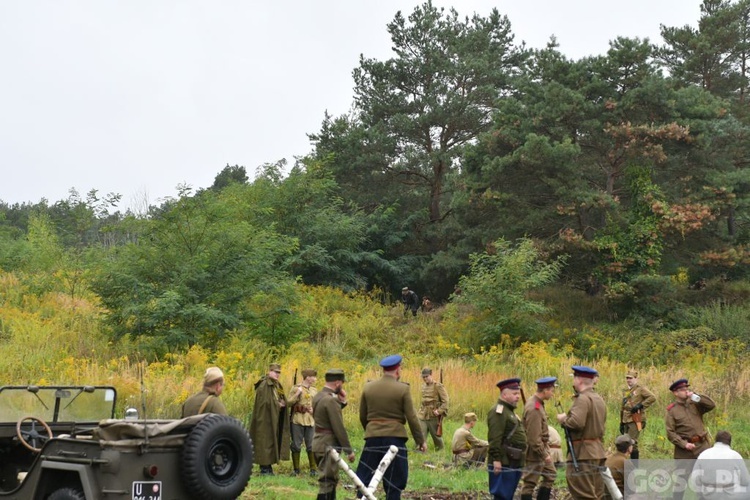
(585, 422)
(269, 427)
(330, 432)
(507, 438)
(303, 424)
(384, 409)
(434, 406)
(207, 401)
(469, 450)
(633, 412)
(540, 465)
(685, 429)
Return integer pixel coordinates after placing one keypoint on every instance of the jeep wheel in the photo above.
(66, 494)
(217, 458)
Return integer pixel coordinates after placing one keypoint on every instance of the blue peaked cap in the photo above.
(584, 371)
(391, 361)
(546, 382)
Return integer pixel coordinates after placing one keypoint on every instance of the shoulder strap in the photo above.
(512, 431)
(205, 403)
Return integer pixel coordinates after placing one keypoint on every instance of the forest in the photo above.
(553, 210)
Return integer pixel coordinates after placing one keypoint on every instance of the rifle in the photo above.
(523, 396)
(568, 440)
(439, 431)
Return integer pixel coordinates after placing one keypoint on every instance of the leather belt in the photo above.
(322, 430)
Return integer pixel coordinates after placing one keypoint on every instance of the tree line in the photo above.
(623, 165)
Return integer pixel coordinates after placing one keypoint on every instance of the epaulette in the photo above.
(537, 405)
(499, 408)
(670, 406)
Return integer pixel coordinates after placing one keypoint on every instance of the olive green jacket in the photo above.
(501, 420)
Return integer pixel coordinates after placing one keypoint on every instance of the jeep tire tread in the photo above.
(66, 494)
(217, 459)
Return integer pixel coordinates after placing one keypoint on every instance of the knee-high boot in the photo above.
(313, 464)
(543, 494)
(295, 461)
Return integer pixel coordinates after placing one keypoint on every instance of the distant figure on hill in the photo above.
(410, 300)
(427, 305)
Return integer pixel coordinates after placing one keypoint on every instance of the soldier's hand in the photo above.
(496, 467)
(436, 413)
(548, 459)
(690, 446)
(636, 408)
(351, 457)
(561, 417)
(422, 447)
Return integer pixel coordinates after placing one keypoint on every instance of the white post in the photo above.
(384, 463)
(609, 481)
(349, 472)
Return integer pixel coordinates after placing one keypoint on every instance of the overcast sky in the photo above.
(138, 96)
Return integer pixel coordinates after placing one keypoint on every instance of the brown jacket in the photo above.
(329, 424)
(537, 430)
(616, 464)
(385, 407)
(464, 441)
(205, 401)
(634, 396)
(684, 422)
(301, 405)
(585, 421)
(434, 397)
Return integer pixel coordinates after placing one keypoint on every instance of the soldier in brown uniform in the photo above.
(330, 432)
(468, 449)
(207, 401)
(269, 427)
(540, 465)
(384, 409)
(507, 438)
(684, 423)
(585, 422)
(434, 406)
(303, 424)
(633, 412)
(616, 461)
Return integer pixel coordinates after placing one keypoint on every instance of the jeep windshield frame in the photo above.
(69, 403)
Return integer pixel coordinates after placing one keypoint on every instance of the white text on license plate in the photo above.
(146, 490)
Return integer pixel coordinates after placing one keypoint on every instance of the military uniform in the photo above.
(684, 422)
(384, 409)
(504, 430)
(467, 448)
(434, 397)
(303, 424)
(585, 422)
(206, 401)
(616, 465)
(538, 469)
(269, 427)
(329, 433)
(637, 399)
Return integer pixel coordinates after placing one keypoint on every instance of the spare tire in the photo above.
(217, 459)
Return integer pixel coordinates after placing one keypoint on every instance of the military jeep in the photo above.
(63, 443)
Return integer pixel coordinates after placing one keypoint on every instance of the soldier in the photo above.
(468, 450)
(633, 413)
(434, 407)
(330, 432)
(540, 464)
(616, 462)
(385, 407)
(269, 427)
(507, 439)
(585, 422)
(555, 446)
(410, 300)
(303, 423)
(207, 401)
(685, 429)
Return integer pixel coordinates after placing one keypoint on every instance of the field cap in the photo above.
(624, 439)
(426, 371)
(405, 289)
(470, 417)
(335, 374)
(391, 362)
(212, 376)
(510, 383)
(679, 384)
(632, 374)
(274, 367)
(545, 382)
(309, 373)
(584, 371)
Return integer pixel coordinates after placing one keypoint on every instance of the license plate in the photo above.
(146, 490)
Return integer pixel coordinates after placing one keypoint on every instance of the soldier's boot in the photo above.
(295, 462)
(634, 455)
(313, 464)
(326, 496)
(266, 470)
(543, 494)
(526, 497)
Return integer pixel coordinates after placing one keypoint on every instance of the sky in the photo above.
(137, 97)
